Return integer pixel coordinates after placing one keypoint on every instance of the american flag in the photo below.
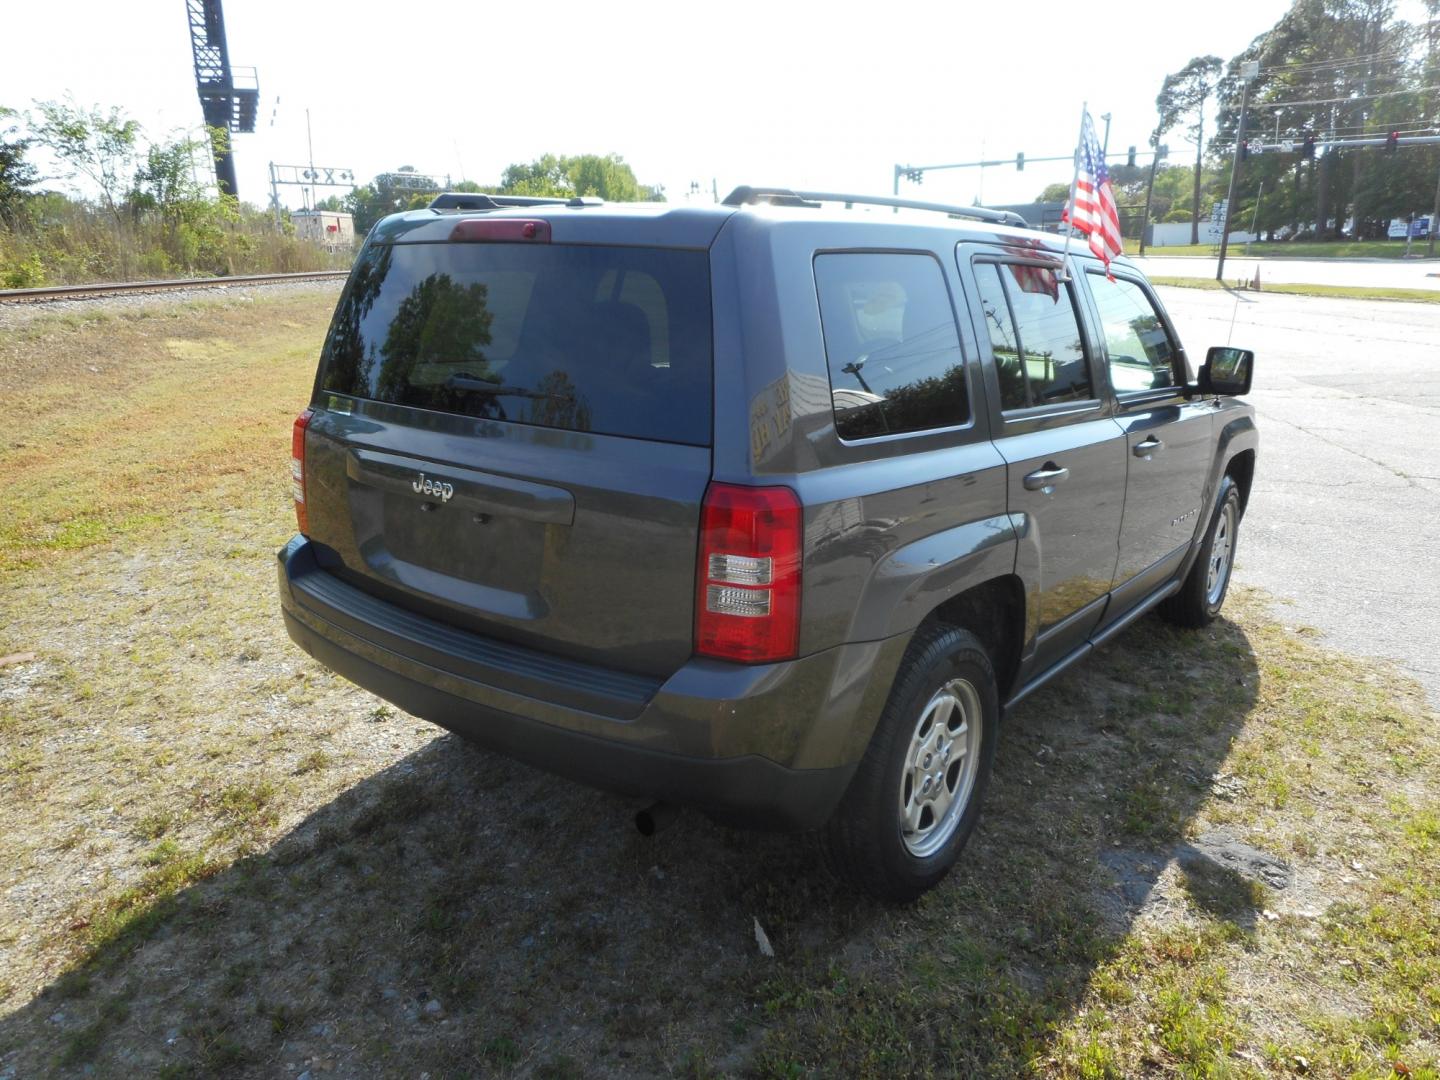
(1094, 213)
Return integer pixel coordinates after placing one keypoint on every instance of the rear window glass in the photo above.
(891, 343)
(614, 340)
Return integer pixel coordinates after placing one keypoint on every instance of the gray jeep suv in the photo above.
(772, 508)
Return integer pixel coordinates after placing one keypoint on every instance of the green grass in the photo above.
(1349, 292)
(1325, 249)
(125, 920)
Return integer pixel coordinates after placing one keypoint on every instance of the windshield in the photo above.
(614, 340)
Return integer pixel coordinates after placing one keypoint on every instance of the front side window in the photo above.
(891, 344)
(1034, 335)
(1141, 355)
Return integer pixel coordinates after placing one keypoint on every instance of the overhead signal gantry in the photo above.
(229, 96)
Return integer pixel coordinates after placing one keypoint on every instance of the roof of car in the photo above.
(692, 225)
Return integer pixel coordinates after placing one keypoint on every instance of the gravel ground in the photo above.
(16, 316)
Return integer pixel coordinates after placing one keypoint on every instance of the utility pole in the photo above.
(310, 144)
(1105, 146)
(1150, 187)
(1248, 70)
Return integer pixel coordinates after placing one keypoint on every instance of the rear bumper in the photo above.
(770, 746)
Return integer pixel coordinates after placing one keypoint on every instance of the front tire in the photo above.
(1203, 592)
(916, 796)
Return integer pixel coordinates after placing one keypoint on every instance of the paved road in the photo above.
(1344, 520)
(1380, 273)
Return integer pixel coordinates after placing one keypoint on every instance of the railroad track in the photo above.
(89, 292)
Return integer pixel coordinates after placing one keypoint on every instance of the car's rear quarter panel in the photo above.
(894, 526)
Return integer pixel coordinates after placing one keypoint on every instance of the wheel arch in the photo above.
(1241, 469)
(994, 611)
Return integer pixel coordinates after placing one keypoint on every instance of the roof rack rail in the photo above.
(745, 194)
(479, 200)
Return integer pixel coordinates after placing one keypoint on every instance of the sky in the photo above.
(820, 96)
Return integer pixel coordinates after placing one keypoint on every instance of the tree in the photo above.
(1182, 96)
(165, 182)
(388, 193)
(1341, 68)
(545, 176)
(97, 145)
(607, 177)
(17, 175)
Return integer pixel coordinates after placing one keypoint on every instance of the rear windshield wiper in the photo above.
(478, 385)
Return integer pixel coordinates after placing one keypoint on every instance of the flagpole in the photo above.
(1070, 206)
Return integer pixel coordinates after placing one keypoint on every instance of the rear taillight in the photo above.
(747, 606)
(297, 468)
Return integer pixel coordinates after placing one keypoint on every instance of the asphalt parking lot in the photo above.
(1344, 522)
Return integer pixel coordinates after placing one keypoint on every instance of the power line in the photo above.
(1419, 123)
(1354, 61)
(1353, 98)
(1314, 67)
(1360, 78)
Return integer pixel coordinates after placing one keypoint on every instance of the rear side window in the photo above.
(1139, 350)
(614, 340)
(1034, 335)
(891, 343)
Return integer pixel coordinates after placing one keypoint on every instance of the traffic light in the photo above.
(1020, 161)
(915, 176)
(1130, 157)
(1244, 151)
(1307, 148)
(1392, 142)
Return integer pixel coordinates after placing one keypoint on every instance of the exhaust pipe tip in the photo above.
(654, 818)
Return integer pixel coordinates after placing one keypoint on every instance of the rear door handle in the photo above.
(1148, 447)
(1046, 477)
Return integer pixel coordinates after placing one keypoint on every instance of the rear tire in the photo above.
(1203, 592)
(916, 796)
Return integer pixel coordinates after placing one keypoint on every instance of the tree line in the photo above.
(137, 207)
(604, 176)
(1329, 69)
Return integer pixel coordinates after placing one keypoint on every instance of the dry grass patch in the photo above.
(116, 422)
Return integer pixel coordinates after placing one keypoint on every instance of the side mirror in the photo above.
(1227, 371)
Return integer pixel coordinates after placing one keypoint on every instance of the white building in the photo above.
(331, 229)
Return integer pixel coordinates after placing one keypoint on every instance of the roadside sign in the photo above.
(1287, 145)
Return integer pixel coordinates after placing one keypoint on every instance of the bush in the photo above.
(59, 240)
(26, 273)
